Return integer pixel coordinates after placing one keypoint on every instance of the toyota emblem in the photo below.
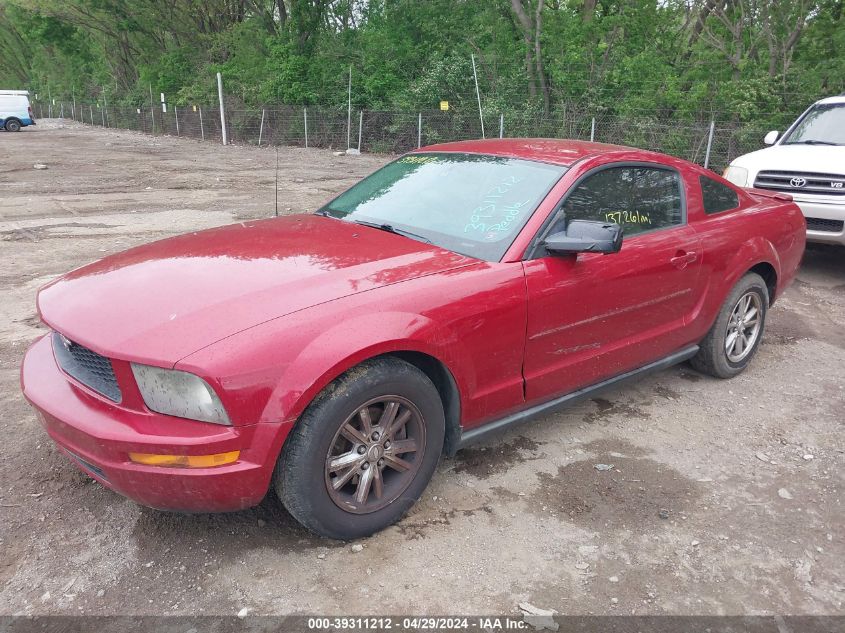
(798, 182)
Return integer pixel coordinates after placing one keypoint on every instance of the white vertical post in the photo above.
(202, 129)
(261, 128)
(419, 130)
(305, 118)
(593, 130)
(103, 116)
(360, 128)
(106, 106)
(73, 105)
(152, 109)
(501, 125)
(222, 110)
(349, 110)
(709, 144)
(91, 110)
(176, 114)
(478, 95)
(62, 110)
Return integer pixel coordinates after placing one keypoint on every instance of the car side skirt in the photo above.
(490, 428)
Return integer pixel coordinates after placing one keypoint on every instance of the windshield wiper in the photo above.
(392, 229)
(811, 142)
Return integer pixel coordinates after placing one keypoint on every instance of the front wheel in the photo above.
(363, 451)
(13, 125)
(735, 336)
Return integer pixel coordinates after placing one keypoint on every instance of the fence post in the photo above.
(593, 130)
(261, 128)
(103, 116)
(152, 110)
(478, 94)
(419, 130)
(62, 110)
(709, 144)
(501, 125)
(349, 111)
(360, 128)
(202, 129)
(91, 111)
(305, 116)
(176, 114)
(222, 110)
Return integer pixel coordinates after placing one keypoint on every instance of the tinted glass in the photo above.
(637, 198)
(823, 125)
(466, 203)
(717, 197)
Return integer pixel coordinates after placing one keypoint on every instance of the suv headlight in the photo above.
(179, 393)
(736, 175)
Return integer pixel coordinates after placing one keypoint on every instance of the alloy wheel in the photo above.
(375, 454)
(744, 327)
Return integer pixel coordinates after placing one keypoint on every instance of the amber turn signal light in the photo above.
(185, 461)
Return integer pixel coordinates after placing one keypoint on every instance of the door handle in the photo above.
(682, 258)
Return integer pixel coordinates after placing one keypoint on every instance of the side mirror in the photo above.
(584, 236)
(771, 137)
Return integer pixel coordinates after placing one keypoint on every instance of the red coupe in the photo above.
(457, 291)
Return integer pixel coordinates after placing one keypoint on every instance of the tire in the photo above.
(13, 125)
(332, 431)
(715, 357)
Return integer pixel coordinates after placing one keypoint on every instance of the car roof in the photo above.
(548, 150)
(829, 100)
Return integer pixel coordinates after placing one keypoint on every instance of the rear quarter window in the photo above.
(716, 196)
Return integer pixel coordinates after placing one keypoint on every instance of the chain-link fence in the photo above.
(390, 132)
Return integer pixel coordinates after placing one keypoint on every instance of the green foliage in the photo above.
(641, 59)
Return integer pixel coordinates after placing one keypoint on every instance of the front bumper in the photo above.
(833, 212)
(98, 435)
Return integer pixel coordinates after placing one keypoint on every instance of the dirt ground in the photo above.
(747, 472)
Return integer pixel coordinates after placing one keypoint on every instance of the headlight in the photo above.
(179, 393)
(736, 175)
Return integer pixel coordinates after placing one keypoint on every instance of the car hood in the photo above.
(825, 159)
(163, 301)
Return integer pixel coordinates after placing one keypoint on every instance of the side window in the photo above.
(637, 198)
(717, 197)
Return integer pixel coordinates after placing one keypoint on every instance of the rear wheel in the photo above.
(13, 125)
(735, 336)
(363, 451)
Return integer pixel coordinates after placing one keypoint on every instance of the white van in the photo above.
(808, 162)
(15, 111)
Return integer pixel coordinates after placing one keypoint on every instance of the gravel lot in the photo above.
(748, 471)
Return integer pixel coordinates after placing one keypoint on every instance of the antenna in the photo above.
(277, 182)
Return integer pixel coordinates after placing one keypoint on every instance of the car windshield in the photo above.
(471, 204)
(823, 125)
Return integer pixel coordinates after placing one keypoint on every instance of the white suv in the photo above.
(807, 162)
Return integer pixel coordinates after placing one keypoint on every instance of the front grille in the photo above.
(820, 224)
(797, 182)
(88, 367)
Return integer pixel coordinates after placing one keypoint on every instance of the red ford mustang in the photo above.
(461, 289)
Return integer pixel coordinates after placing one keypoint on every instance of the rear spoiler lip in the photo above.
(767, 193)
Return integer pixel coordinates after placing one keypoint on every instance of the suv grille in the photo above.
(820, 224)
(88, 367)
(801, 182)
